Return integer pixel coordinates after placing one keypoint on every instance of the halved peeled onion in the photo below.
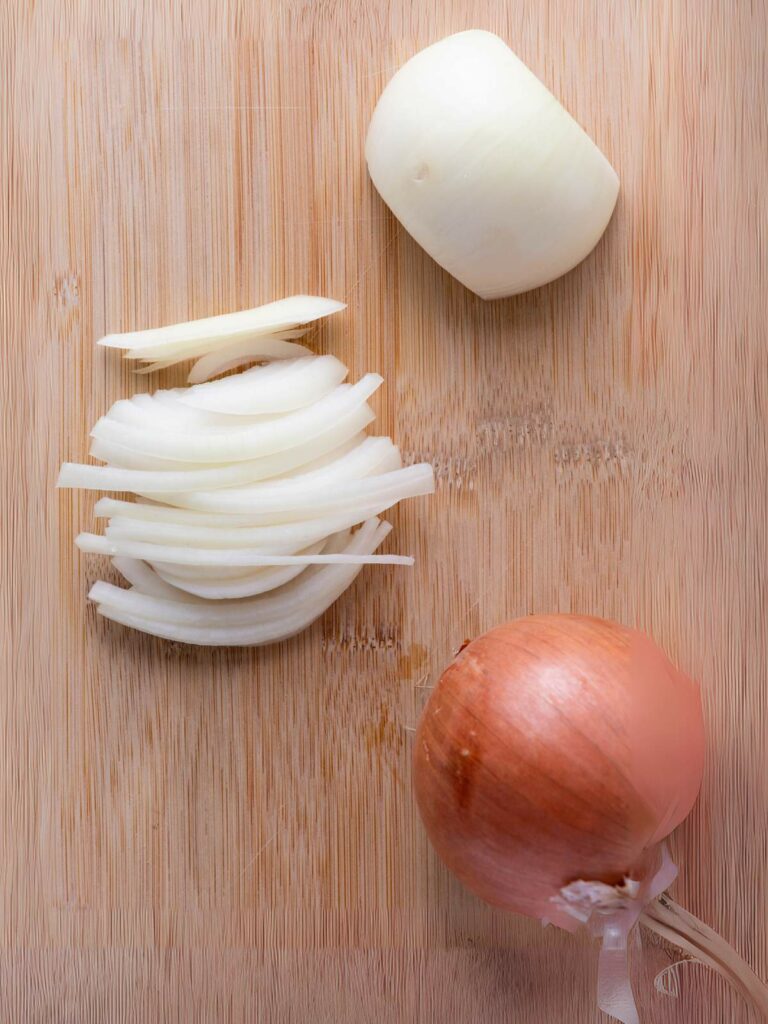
(487, 171)
(259, 496)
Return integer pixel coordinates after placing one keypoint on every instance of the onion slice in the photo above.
(297, 383)
(292, 610)
(151, 512)
(385, 490)
(291, 536)
(93, 543)
(144, 579)
(230, 357)
(361, 460)
(161, 342)
(245, 442)
(220, 582)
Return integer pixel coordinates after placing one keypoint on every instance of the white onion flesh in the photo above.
(161, 342)
(384, 490)
(221, 582)
(182, 574)
(222, 540)
(225, 584)
(142, 578)
(243, 442)
(153, 367)
(252, 584)
(366, 457)
(156, 513)
(95, 544)
(280, 616)
(299, 382)
(170, 355)
(230, 357)
(248, 487)
(120, 457)
(487, 171)
(266, 538)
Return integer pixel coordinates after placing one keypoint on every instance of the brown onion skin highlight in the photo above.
(556, 748)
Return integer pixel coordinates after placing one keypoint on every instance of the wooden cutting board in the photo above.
(229, 835)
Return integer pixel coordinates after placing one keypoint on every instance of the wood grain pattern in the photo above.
(230, 835)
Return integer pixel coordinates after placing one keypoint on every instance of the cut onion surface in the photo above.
(248, 487)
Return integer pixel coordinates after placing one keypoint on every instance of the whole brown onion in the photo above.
(556, 748)
(552, 758)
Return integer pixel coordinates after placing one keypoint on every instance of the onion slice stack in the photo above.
(258, 495)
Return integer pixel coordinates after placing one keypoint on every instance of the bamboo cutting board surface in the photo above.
(229, 835)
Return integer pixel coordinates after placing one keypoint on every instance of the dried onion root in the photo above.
(258, 494)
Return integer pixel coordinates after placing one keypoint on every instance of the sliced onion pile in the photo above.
(249, 487)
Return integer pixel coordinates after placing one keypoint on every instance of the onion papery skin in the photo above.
(556, 748)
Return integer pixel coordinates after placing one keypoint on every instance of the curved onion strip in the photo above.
(283, 462)
(119, 535)
(224, 574)
(328, 445)
(92, 543)
(152, 512)
(343, 435)
(225, 586)
(118, 456)
(162, 342)
(179, 353)
(218, 573)
(229, 590)
(164, 411)
(249, 442)
(270, 537)
(256, 392)
(229, 357)
(300, 604)
(216, 588)
(369, 454)
(229, 613)
(233, 581)
(190, 576)
(145, 580)
(383, 490)
(242, 352)
(147, 411)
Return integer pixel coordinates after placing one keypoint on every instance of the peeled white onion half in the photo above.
(487, 171)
